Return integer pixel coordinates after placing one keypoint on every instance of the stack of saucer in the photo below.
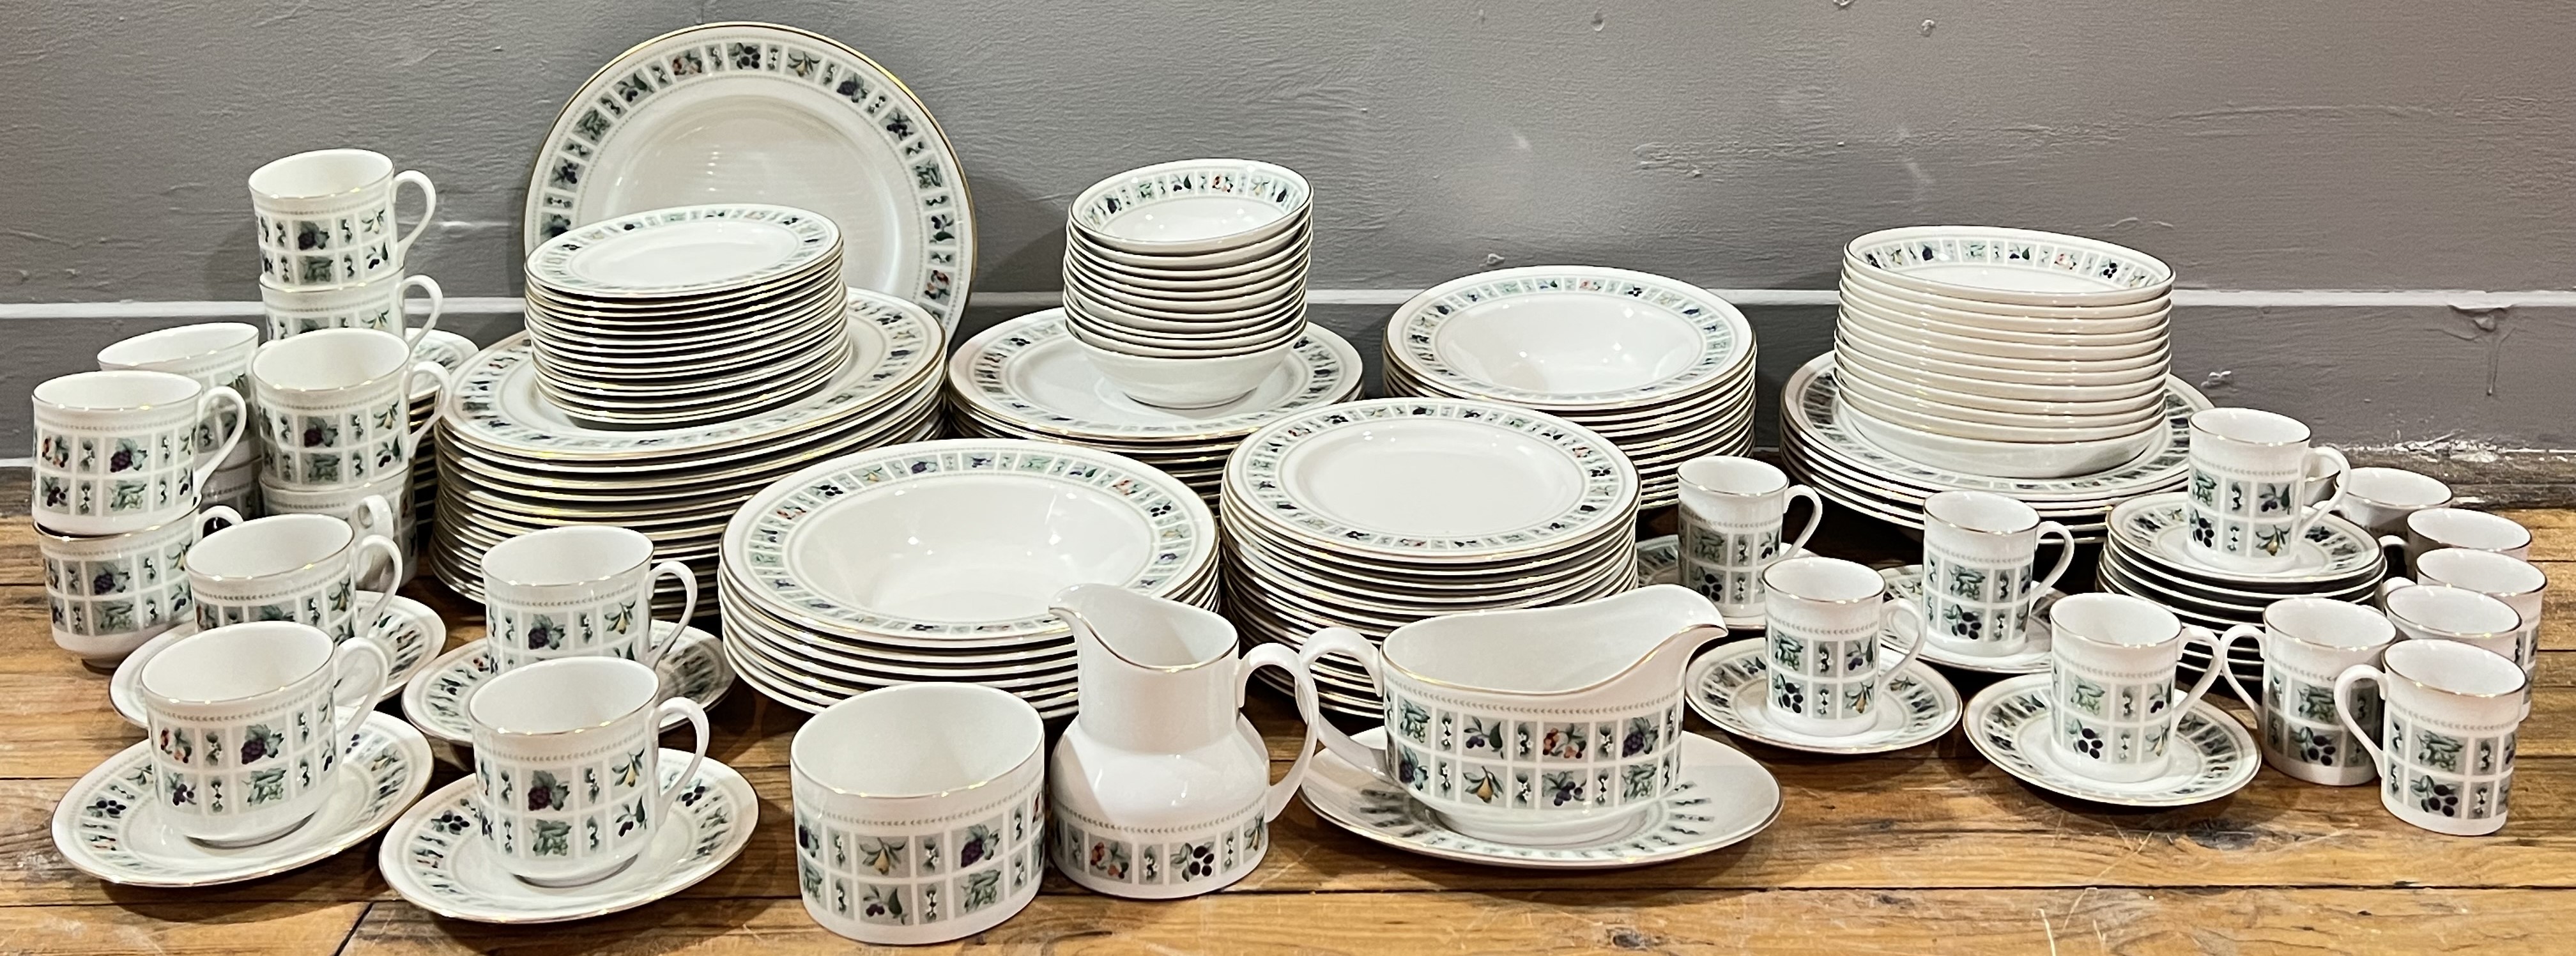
(2149, 555)
(1028, 378)
(1375, 514)
(690, 314)
(450, 351)
(511, 460)
(1185, 281)
(1658, 366)
(2003, 352)
(934, 561)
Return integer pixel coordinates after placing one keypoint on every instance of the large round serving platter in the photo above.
(754, 112)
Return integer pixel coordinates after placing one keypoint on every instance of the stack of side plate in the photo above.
(1375, 514)
(1821, 449)
(1029, 378)
(934, 561)
(2150, 555)
(689, 314)
(1658, 366)
(451, 351)
(512, 461)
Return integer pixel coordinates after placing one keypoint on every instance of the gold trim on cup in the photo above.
(2522, 681)
(2394, 616)
(2309, 434)
(651, 701)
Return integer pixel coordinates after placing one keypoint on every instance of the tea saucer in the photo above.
(1906, 584)
(109, 825)
(1731, 687)
(435, 699)
(2213, 755)
(417, 634)
(1721, 798)
(436, 858)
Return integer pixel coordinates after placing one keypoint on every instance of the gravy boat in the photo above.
(1536, 727)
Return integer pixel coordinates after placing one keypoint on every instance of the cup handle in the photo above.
(2308, 514)
(2392, 551)
(2226, 641)
(2065, 558)
(428, 206)
(217, 518)
(437, 304)
(437, 373)
(697, 754)
(1815, 516)
(688, 608)
(1279, 656)
(2393, 584)
(1888, 612)
(206, 407)
(392, 579)
(2344, 708)
(358, 697)
(2208, 675)
(1349, 644)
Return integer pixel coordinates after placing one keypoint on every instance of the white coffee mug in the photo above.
(326, 217)
(302, 568)
(568, 766)
(2379, 499)
(213, 353)
(376, 304)
(575, 591)
(2307, 642)
(1732, 512)
(920, 812)
(2434, 528)
(2252, 476)
(2443, 612)
(118, 451)
(335, 406)
(110, 593)
(2449, 714)
(246, 724)
(1825, 617)
(1980, 555)
(2112, 663)
(2518, 583)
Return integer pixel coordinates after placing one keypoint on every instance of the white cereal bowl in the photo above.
(2067, 348)
(1296, 243)
(1242, 303)
(2155, 359)
(1958, 367)
(1285, 258)
(2115, 315)
(2154, 327)
(1192, 206)
(1117, 334)
(1184, 382)
(2031, 415)
(1997, 388)
(1989, 431)
(1188, 294)
(2008, 266)
(1288, 297)
(1999, 459)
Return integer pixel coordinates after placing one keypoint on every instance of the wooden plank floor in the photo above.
(1928, 850)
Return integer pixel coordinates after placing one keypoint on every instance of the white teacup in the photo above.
(354, 505)
(576, 591)
(2518, 583)
(110, 593)
(920, 812)
(2435, 528)
(2379, 499)
(376, 304)
(213, 353)
(118, 451)
(2449, 715)
(2307, 642)
(1980, 554)
(1825, 616)
(567, 763)
(1732, 512)
(302, 568)
(2443, 612)
(2252, 476)
(246, 724)
(335, 407)
(2112, 661)
(326, 217)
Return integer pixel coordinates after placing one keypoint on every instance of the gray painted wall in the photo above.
(2282, 146)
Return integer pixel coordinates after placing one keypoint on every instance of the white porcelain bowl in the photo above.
(1922, 359)
(1996, 388)
(2155, 359)
(2008, 266)
(2027, 332)
(1249, 284)
(1867, 385)
(1110, 315)
(1203, 265)
(1989, 431)
(1184, 382)
(1192, 206)
(2113, 314)
(2066, 348)
(1083, 322)
(1242, 303)
(1995, 458)
(2150, 402)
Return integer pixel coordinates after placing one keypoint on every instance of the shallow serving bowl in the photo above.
(1921, 359)
(1996, 458)
(2008, 266)
(2155, 359)
(2068, 348)
(1193, 206)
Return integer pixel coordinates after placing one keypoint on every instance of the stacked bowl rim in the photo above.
(2116, 275)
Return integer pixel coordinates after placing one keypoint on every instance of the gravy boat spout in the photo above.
(1632, 645)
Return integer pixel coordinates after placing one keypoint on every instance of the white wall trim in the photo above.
(2463, 299)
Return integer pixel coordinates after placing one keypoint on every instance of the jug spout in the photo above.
(1642, 638)
(1153, 674)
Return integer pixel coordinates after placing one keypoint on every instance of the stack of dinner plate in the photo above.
(934, 561)
(1028, 378)
(1658, 366)
(1375, 514)
(2150, 555)
(1185, 281)
(511, 460)
(2003, 352)
(690, 314)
